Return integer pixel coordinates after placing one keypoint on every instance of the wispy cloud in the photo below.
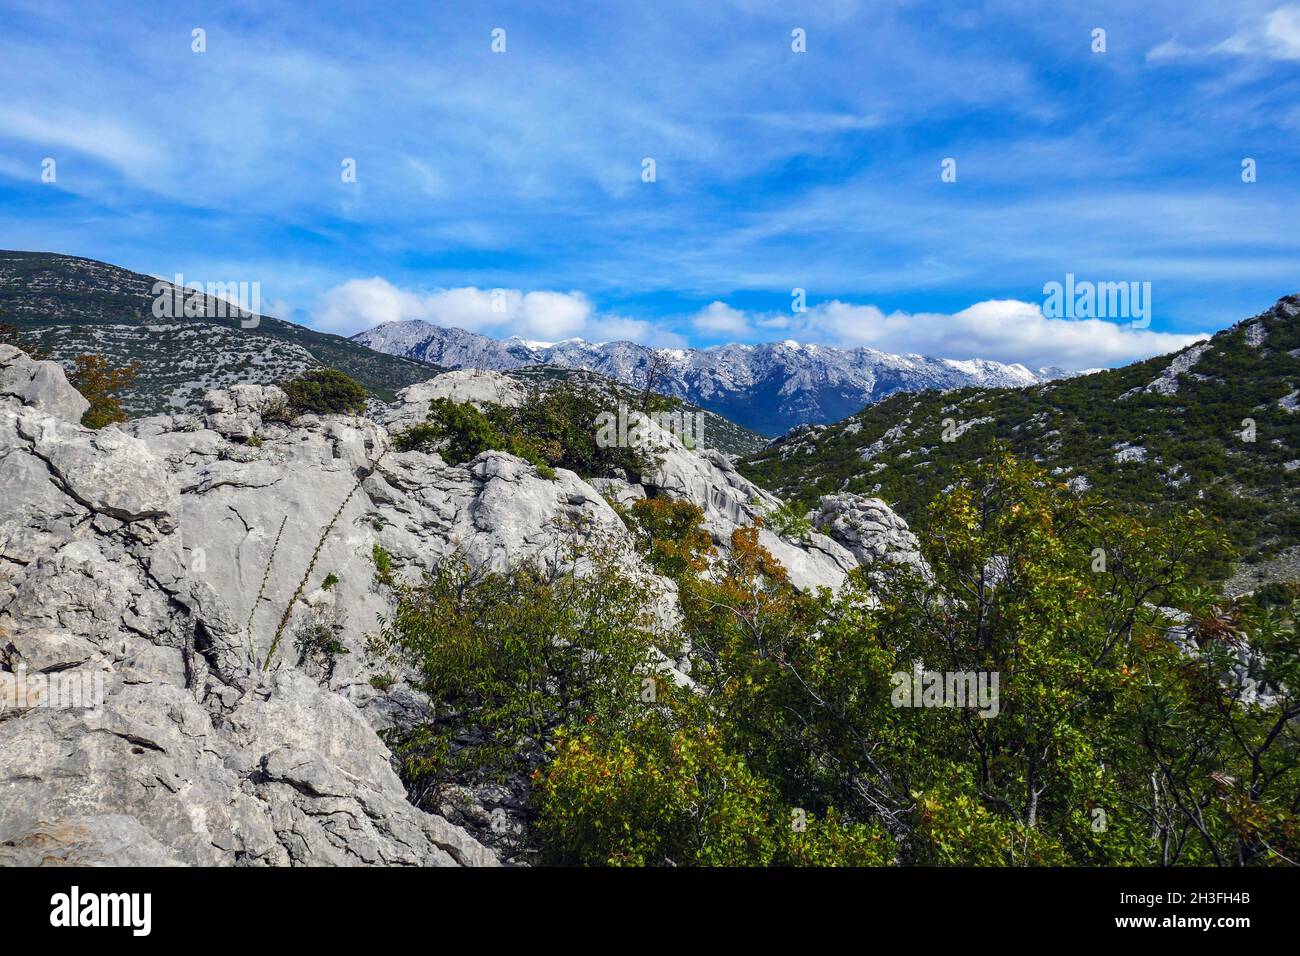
(1275, 35)
(775, 169)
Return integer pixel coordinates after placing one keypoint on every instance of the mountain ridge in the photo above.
(768, 387)
(69, 305)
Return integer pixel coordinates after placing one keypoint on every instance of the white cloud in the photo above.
(1004, 330)
(1283, 32)
(1276, 35)
(718, 317)
(362, 303)
(549, 316)
(96, 136)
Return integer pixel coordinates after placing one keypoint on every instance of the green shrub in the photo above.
(555, 428)
(508, 658)
(383, 564)
(670, 534)
(325, 392)
(462, 431)
(638, 799)
(789, 521)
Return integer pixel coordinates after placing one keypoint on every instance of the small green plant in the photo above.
(330, 582)
(318, 641)
(787, 522)
(383, 564)
(254, 441)
(383, 682)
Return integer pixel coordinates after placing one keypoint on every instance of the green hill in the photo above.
(1215, 427)
(69, 305)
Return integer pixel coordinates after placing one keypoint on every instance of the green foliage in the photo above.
(789, 521)
(554, 428)
(330, 582)
(318, 641)
(383, 562)
(669, 534)
(325, 392)
(101, 384)
(655, 799)
(670, 792)
(1121, 732)
(509, 658)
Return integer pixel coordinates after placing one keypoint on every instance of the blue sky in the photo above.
(522, 170)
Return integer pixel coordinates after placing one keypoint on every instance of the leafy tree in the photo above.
(100, 384)
(459, 428)
(670, 535)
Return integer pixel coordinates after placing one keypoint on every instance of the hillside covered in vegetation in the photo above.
(66, 306)
(1216, 427)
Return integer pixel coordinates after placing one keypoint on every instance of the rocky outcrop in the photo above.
(39, 385)
(146, 571)
(135, 723)
(475, 386)
(705, 477)
(870, 530)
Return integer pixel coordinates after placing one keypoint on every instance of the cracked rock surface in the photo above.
(152, 563)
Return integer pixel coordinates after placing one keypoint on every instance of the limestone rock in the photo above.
(869, 528)
(156, 561)
(39, 385)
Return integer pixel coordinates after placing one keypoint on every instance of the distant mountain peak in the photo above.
(769, 387)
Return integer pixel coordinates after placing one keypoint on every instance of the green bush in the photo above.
(789, 521)
(508, 658)
(793, 747)
(459, 431)
(325, 392)
(670, 534)
(553, 428)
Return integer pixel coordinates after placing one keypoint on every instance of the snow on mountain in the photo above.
(771, 387)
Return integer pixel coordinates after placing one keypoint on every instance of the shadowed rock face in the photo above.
(154, 563)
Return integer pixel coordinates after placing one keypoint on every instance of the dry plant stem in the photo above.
(311, 565)
(266, 576)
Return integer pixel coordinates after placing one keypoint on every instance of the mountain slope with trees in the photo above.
(65, 306)
(1215, 427)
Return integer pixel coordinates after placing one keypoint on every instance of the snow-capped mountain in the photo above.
(770, 387)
